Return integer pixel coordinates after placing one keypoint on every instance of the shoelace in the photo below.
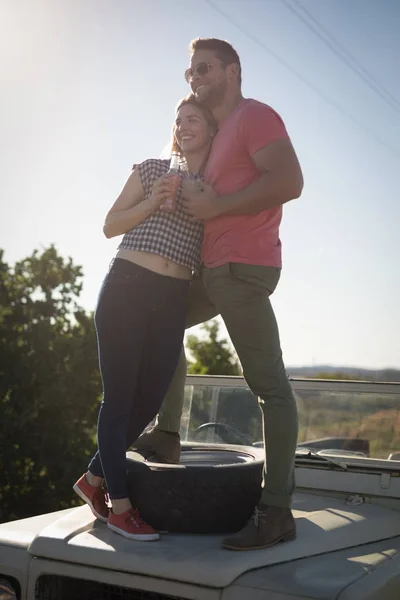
(107, 498)
(102, 496)
(136, 519)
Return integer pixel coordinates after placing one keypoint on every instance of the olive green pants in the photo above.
(240, 294)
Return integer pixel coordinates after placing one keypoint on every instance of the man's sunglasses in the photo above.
(202, 68)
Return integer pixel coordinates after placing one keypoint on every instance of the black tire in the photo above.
(214, 489)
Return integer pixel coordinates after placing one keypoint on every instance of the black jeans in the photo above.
(140, 323)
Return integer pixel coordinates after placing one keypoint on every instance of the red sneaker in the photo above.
(131, 525)
(94, 497)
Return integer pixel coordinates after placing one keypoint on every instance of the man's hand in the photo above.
(200, 202)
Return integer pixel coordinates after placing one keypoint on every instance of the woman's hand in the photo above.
(160, 193)
(130, 209)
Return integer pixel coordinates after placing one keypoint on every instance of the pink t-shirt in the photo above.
(252, 239)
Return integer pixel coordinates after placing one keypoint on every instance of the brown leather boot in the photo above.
(268, 526)
(161, 446)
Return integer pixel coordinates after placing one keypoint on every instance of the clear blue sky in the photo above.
(89, 87)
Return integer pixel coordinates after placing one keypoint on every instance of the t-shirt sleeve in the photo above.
(149, 171)
(260, 126)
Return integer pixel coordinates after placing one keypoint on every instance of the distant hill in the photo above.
(335, 372)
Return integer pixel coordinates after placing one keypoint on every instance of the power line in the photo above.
(304, 80)
(344, 55)
(359, 68)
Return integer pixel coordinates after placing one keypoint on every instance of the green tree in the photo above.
(212, 356)
(49, 384)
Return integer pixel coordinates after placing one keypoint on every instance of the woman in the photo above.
(140, 316)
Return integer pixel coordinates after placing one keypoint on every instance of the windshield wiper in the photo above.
(312, 454)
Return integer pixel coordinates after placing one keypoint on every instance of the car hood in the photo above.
(324, 524)
(20, 533)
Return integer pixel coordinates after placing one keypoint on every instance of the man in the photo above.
(251, 172)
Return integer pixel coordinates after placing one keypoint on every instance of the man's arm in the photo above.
(263, 134)
(281, 180)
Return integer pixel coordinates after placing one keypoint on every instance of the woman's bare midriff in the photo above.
(155, 263)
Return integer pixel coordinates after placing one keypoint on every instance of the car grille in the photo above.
(55, 587)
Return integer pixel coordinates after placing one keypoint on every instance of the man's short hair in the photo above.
(223, 51)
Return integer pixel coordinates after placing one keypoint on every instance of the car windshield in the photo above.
(336, 418)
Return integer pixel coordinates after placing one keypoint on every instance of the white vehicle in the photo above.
(347, 508)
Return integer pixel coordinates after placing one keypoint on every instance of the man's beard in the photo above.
(215, 96)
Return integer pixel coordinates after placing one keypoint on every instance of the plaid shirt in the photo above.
(169, 234)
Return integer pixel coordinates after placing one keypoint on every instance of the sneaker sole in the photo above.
(83, 497)
(288, 537)
(140, 537)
